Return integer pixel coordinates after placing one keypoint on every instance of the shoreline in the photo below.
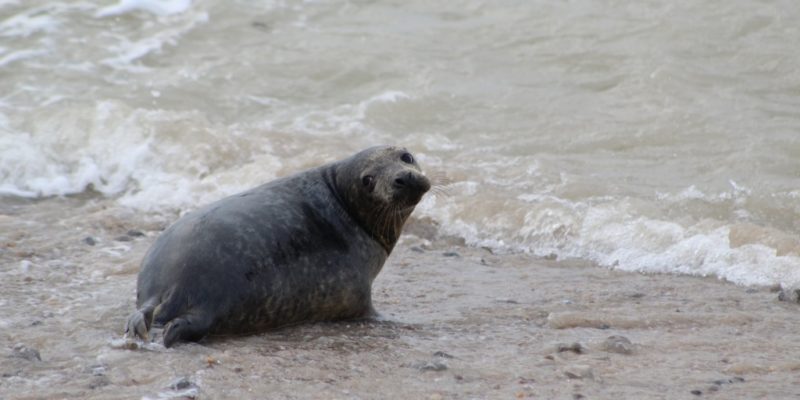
(457, 322)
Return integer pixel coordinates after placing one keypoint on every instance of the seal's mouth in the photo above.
(409, 187)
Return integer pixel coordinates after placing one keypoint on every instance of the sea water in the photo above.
(640, 135)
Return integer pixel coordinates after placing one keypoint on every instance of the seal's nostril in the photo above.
(399, 182)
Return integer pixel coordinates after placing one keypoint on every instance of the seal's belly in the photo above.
(287, 299)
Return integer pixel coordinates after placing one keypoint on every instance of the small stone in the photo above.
(775, 288)
(123, 238)
(637, 295)
(751, 290)
(579, 372)
(696, 392)
(181, 383)
(576, 348)
(618, 344)
(22, 351)
(417, 249)
(135, 233)
(97, 369)
(430, 366)
(451, 254)
(526, 381)
(442, 354)
(124, 344)
(90, 241)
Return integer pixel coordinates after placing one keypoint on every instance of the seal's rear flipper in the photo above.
(139, 323)
(190, 327)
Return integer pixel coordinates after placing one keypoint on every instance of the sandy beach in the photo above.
(457, 323)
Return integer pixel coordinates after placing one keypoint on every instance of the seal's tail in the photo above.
(171, 312)
(139, 322)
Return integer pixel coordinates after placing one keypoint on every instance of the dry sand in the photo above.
(457, 323)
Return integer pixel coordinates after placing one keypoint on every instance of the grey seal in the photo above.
(306, 247)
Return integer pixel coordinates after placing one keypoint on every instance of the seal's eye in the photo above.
(367, 180)
(407, 158)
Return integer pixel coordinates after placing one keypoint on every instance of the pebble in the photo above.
(696, 392)
(124, 344)
(90, 241)
(442, 354)
(30, 354)
(579, 372)
(430, 366)
(576, 348)
(451, 254)
(135, 233)
(417, 249)
(181, 383)
(618, 344)
(123, 238)
(735, 379)
(97, 369)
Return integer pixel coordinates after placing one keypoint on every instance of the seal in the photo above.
(298, 249)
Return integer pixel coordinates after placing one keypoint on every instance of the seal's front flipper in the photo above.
(139, 323)
(190, 327)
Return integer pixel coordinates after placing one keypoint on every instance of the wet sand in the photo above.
(457, 323)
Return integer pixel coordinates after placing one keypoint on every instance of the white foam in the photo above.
(345, 119)
(157, 7)
(127, 51)
(6, 59)
(28, 23)
(613, 234)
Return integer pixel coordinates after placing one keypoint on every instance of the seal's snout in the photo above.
(412, 182)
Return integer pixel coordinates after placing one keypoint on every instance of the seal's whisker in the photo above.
(441, 190)
(382, 221)
(440, 178)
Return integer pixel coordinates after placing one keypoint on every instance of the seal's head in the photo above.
(380, 187)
